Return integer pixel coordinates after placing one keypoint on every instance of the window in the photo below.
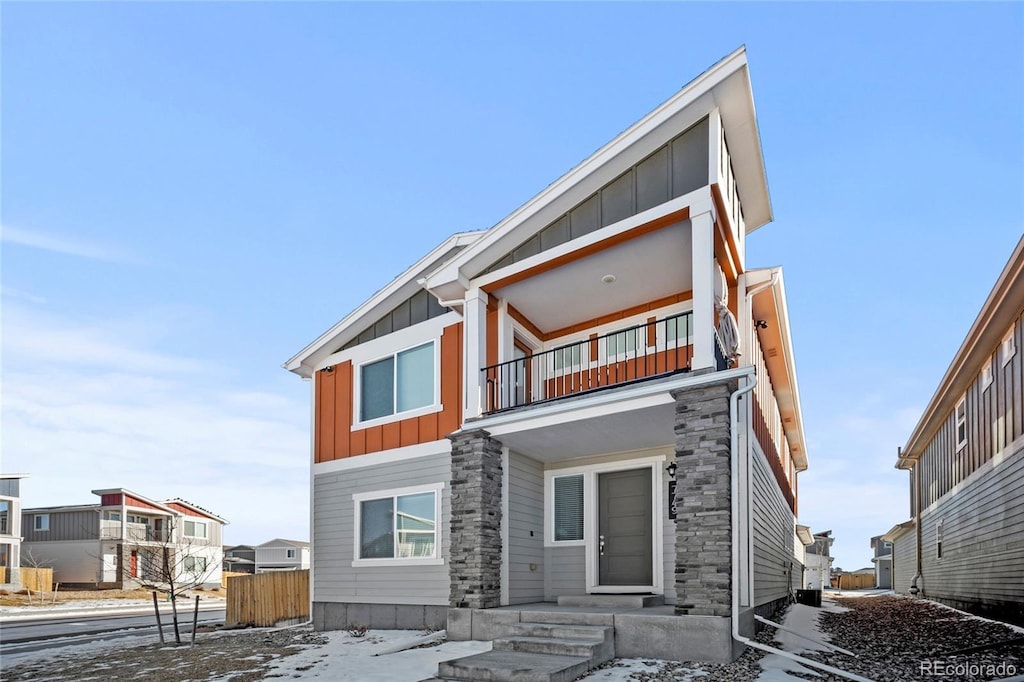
(678, 328)
(1007, 348)
(41, 522)
(113, 516)
(624, 342)
(986, 374)
(397, 383)
(196, 565)
(568, 508)
(132, 518)
(290, 554)
(398, 525)
(195, 529)
(566, 357)
(961, 423)
(938, 538)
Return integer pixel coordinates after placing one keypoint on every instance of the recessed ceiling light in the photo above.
(608, 279)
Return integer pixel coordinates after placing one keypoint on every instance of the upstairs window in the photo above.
(986, 374)
(195, 529)
(290, 553)
(961, 423)
(1007, 348)
(41, 522)
(397, 383)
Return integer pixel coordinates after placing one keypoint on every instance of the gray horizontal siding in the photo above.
(773, 535)
(565, 572)
(334, 577)
(525, 530)
(71, 525)
(983, 538)
(904, 561)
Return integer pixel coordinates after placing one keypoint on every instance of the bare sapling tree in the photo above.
(174, 564)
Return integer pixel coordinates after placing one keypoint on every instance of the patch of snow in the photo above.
(777, 668)
(358, 662)
(806, 637)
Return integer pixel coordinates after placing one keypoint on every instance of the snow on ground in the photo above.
(346, 658)
(83, 607)
(625, 667)
(806, 637)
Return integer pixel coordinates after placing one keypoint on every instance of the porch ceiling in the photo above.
(647, 268)
(551, 434)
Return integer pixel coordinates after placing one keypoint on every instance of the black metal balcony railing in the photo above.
(637, 353)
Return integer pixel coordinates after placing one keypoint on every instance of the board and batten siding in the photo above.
(774, 562)
(335, 579)
(72, 561)
(982, 531)
(81, 524)
(904, 561)
(525, 530)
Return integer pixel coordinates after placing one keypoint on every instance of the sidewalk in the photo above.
(104, 607)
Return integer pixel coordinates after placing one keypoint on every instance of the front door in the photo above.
(624, 528)
(133, 569)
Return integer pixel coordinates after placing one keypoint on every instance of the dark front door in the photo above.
(624, 528)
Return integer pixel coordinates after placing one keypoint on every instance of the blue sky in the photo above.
(192, 192)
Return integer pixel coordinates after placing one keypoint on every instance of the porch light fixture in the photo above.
(671, 469)
(608, 279)
(761, 324)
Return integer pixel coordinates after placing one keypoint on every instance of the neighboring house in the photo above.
(113, 544)
(818, 566)
(804, 539)
(544, 410)
(10, 530)
(904, 556)
(282, 555)
(966, 458)
(882, 560)
(240, 559)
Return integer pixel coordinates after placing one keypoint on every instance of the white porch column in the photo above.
(475, 342)
(703, 254)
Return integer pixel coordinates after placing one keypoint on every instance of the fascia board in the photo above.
(690, 93)
(1002, 306)
(198, 511)
(898, 531)
(407, 281)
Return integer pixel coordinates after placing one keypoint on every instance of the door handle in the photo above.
(600, 545)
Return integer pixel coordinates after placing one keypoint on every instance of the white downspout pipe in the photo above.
(744, 490)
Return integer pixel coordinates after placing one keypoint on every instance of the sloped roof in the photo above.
(282, 541)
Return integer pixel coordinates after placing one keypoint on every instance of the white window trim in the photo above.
(39, 521)
(957, 422)
(357, 388)
(986, 374)
(289, 554)
(1008, 348)
(549, 509)
(357, 498)
(205, 525)
(659, 517)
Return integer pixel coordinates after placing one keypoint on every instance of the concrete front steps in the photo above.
(549, 646)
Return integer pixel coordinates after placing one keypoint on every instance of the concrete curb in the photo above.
(52, 613)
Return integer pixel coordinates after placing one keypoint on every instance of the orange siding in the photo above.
(618, 372)
(334, 437)
(136, 502)
(492, 334)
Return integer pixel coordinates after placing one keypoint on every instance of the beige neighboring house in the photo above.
(282, 555)
(966, 464)
(111, 544)
(10, 530)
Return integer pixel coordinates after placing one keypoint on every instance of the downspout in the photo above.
(737, 490)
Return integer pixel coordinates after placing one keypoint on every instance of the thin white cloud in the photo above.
(19, 295)
(84, 408)
(65, 245)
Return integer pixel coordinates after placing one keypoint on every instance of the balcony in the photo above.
(619, 358)
(134, 532)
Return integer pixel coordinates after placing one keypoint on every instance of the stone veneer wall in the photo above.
(475, 547)
(703, 501)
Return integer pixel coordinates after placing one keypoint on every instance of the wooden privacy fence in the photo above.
(853, 581)
(224, 575)
(36, 579)
(267, 598)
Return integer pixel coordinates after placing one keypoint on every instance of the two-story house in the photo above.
(593, 402)
(818, 561)
(10, 529)
(125, 540)
(966, 462)
(282, 555)
(882, 560)
(239, 559)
